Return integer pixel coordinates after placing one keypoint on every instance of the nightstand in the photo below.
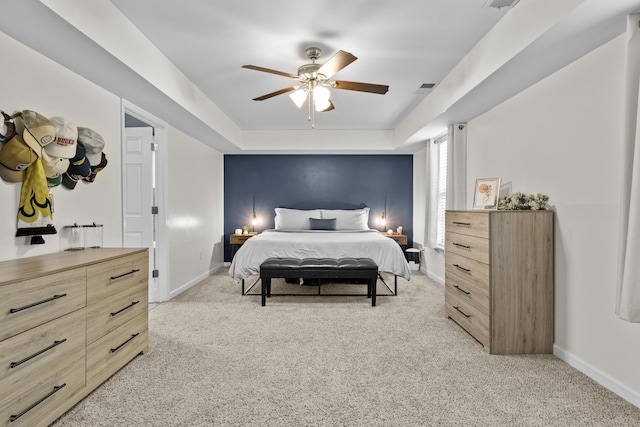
(237, 240)
(400, 238)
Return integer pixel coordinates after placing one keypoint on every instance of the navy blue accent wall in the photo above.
(265, 182)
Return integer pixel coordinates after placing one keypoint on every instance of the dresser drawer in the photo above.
(476, 248)
(465, 315)
(116, 310)
(471, 293)
(41, 348)
(27, 304)
(466, 271)
(111, 352)
(466, 222)
(109, 277)
(36, 400)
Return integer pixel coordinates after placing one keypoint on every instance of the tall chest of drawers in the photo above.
(68, 321)
(499, 278)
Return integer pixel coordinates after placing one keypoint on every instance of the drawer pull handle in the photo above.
(466, 270)
(113, 350)
(57, 388)
(53, 298)
(461, 245)
(466, 224)
(462, 290)
(26, 359)
(125, 274)
(462, 312)
(115, 313)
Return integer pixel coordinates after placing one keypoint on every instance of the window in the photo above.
(441, 142)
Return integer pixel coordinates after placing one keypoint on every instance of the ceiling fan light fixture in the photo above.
(298, 97)
(315, 81)
(321, 97)
(321, 93)
(321, 105)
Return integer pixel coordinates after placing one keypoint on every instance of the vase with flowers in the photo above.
(521, 201)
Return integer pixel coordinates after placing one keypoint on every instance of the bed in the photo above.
(320, 233)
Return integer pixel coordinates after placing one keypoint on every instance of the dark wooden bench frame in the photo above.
(319, 268)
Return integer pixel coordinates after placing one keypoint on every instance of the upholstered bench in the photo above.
(319, 268)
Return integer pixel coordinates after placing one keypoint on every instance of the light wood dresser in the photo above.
(499, 278)
(68, 321)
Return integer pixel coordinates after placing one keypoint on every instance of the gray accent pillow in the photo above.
(323, 223)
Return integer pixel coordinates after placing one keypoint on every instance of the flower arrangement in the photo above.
(521, 201)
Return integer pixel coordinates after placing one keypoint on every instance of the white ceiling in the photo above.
(399, 43)
(190, 74)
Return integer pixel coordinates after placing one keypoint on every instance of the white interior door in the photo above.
(139, 189)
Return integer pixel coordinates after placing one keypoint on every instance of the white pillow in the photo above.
(356, 219)
(294, 219)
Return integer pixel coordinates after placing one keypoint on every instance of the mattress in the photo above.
(386, 253)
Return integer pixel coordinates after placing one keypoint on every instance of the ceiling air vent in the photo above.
(499, 4)
(425, 88)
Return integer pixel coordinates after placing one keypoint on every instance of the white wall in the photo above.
(33, 82)
(195, 220)
(196, 210)
(563, 137)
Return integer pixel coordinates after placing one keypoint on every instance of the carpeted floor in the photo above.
(218, 358)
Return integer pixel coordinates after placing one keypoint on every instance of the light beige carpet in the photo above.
(218, 358)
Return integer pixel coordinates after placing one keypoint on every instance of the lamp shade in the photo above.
(298, 97)
(321, 98)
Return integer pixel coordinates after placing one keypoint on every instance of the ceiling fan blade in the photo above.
(329, 108)
(276, 93)
(336, 63)
(269, 70)
(361, 87)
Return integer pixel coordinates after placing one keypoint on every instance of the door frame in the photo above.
(162, 188)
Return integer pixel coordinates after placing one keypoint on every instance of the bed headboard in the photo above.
(327, 205)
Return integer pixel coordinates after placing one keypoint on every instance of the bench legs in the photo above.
(373, 291)
(266, 289)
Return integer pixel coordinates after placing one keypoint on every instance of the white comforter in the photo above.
(319, 244)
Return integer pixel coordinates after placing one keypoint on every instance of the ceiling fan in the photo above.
(315, 81)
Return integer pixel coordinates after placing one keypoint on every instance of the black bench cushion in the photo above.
(337, 268)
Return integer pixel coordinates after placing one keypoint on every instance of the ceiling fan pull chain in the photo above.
(312, 114)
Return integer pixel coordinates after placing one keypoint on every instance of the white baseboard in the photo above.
(432, 276)
(598, 376)
(195, 281)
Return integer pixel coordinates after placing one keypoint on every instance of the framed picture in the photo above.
(486, 193)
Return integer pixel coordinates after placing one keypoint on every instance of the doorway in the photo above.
(144, 188)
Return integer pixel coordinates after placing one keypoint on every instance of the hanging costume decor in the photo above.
(35, 215)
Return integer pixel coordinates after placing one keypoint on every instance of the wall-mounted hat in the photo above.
(15, 158)
(16, 155)
(79, 168)
(64, 143)
(54, 181)
(93, 143)
(8, 130)
(96, 169)
(38, 130)
(53, 166)
(10, 175)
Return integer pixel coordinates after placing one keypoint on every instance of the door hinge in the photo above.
(155, 273)
(154, 210)
(154, 146)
